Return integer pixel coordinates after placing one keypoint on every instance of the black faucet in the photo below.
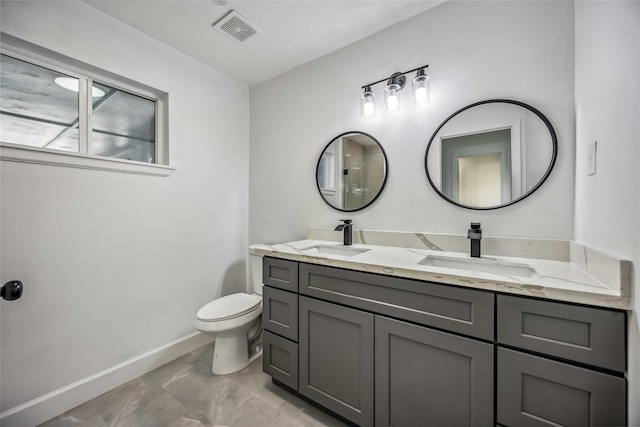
(347, 229)
(475, 235)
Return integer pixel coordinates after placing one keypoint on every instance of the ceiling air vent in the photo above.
(236, 26)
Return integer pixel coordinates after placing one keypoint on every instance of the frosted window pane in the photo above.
(34, 110)
(124, 125)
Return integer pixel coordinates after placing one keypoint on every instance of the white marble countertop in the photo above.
(554, 280)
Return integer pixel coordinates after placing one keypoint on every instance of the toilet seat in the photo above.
(229, 307)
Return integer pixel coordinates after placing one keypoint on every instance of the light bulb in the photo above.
(368, 109)
(366, 100)
(392, 99)
(393, 103)
(421, 87)
(421, 94)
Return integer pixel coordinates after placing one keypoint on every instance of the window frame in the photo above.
(87, 74)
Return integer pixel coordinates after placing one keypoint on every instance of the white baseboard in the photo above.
(59, 401)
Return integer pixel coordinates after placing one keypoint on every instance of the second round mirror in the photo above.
(491, 154)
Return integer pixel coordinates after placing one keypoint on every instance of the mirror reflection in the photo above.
(491, 154)
(351, 171)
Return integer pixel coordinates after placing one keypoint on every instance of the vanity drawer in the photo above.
(280, 273)
(583, 334)
(534, 391)
(280, 359)
(280, 312)
(465, 311)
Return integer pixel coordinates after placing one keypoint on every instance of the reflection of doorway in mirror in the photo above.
(481, 151)
(479, 180)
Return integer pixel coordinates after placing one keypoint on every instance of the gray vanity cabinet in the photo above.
(336, 358)
(393, 352)
(428, 377)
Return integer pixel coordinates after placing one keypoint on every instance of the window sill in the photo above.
(15, 153)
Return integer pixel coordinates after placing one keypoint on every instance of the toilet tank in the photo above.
(255, 273)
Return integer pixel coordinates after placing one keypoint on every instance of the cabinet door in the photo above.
(428, 377)
(336, 359)
(535, 391)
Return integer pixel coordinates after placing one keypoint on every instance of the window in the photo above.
(124, 125)
(55, 110)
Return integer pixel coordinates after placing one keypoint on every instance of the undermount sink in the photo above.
(334, 250)
(485, 265)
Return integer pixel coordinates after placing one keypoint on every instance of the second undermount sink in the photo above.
(485, 265)
(334, 250)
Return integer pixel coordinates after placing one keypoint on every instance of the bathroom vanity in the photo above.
(377, 348)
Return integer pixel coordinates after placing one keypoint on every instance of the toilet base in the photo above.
(231, 354)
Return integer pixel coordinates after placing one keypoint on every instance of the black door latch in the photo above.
(11, 290)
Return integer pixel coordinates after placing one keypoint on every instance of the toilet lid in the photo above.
(230, 306)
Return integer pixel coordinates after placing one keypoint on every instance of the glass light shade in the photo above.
(73, 84)
(367, 105)
(391, 97)
(421, 91)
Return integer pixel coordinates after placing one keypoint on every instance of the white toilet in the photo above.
(234, 320)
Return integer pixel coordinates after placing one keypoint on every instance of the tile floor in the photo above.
(184, 393)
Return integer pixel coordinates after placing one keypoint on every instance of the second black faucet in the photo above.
(475, 235)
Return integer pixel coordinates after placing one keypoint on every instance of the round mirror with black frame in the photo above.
(491, 154)
(351, 171)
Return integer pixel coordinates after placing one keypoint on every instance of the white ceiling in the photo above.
(293, 32)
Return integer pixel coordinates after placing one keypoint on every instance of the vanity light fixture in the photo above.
(395, 83)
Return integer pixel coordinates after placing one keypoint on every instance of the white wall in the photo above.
(608, 111)
(116, 265)
(475, 50)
